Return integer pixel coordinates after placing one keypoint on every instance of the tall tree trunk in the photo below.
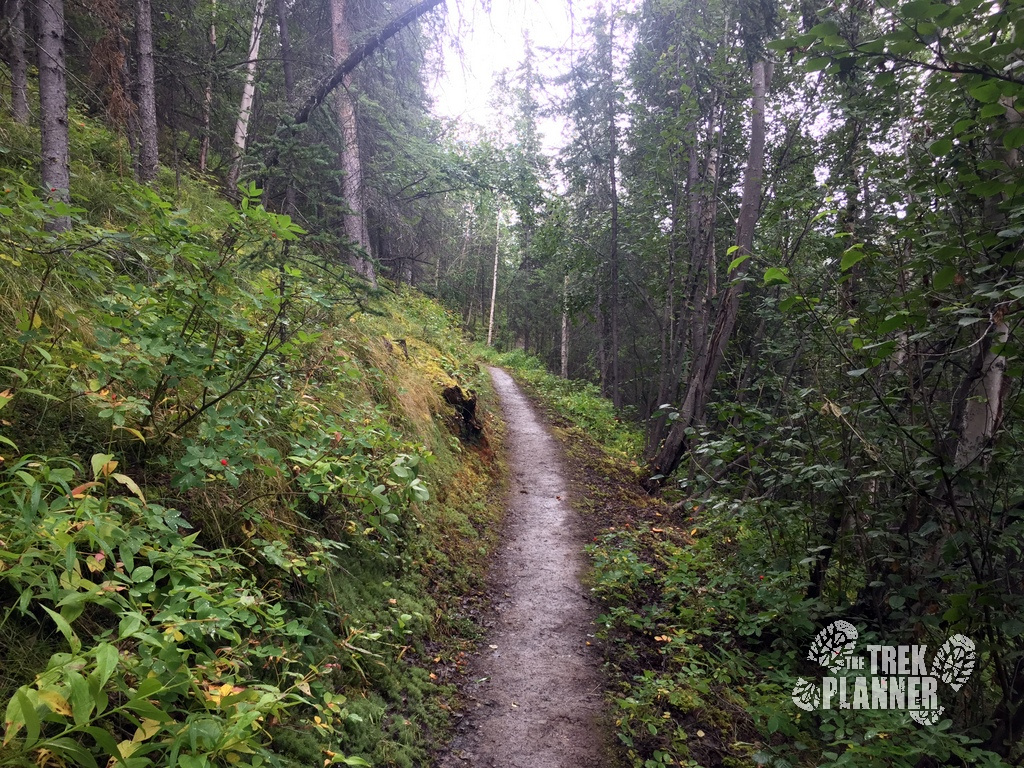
(565, 327)
(289, 88)
(286, 51)
(602, 350)
(148, 152)
(705, 368)
(982, 396)
(53, 108)
(494, 280)
(354, 219)
(17, 62)
(204, 144)
(613, 251)
(248, 94)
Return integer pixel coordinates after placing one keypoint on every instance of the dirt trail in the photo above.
(535, 695)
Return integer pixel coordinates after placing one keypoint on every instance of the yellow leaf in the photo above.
(133, 431)
(108, 468)
(130, 484)
(47, 759)
(55, 702)
(36, 320)
(147, 729)
(125, 749)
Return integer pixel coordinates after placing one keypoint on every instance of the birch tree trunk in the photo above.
(53, 108)
(148, 152)
(707, 363)
(494, 280)
(354, 219)
(248, 94)
(17, 62)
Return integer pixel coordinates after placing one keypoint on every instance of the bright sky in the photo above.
(493, 41)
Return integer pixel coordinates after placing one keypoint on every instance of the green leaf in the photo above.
(987, 92)
(825, 29)
(65, 629)
(737, 261)
(29, 716)
(944, 278)
(72, 752)
(80, 697)
(992, 110)
(14, 719)
(941, 147)
(1013, 627)
(851, 256)
(107, 659)
(1014, 138)
(776, 276)
(100, 460)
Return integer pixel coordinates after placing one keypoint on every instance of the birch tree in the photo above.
(248, 93)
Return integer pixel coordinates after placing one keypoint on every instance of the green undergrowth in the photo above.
(577, 401)
(704, 627)
(237, 520)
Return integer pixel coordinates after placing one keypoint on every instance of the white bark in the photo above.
(248, 93)
(983, 412)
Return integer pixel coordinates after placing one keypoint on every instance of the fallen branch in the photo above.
(365, 49)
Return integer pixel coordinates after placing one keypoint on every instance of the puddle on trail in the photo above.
(534, 697)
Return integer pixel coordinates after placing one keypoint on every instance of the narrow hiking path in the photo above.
(534, 699)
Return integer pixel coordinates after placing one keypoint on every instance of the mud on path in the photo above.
(534, 697)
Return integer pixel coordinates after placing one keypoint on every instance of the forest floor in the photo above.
(534, 690)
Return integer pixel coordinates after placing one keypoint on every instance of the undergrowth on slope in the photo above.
(237, 522)
(705, 629)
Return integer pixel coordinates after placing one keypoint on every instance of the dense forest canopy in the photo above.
(783, 238)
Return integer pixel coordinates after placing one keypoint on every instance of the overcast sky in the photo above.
(493, 41)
